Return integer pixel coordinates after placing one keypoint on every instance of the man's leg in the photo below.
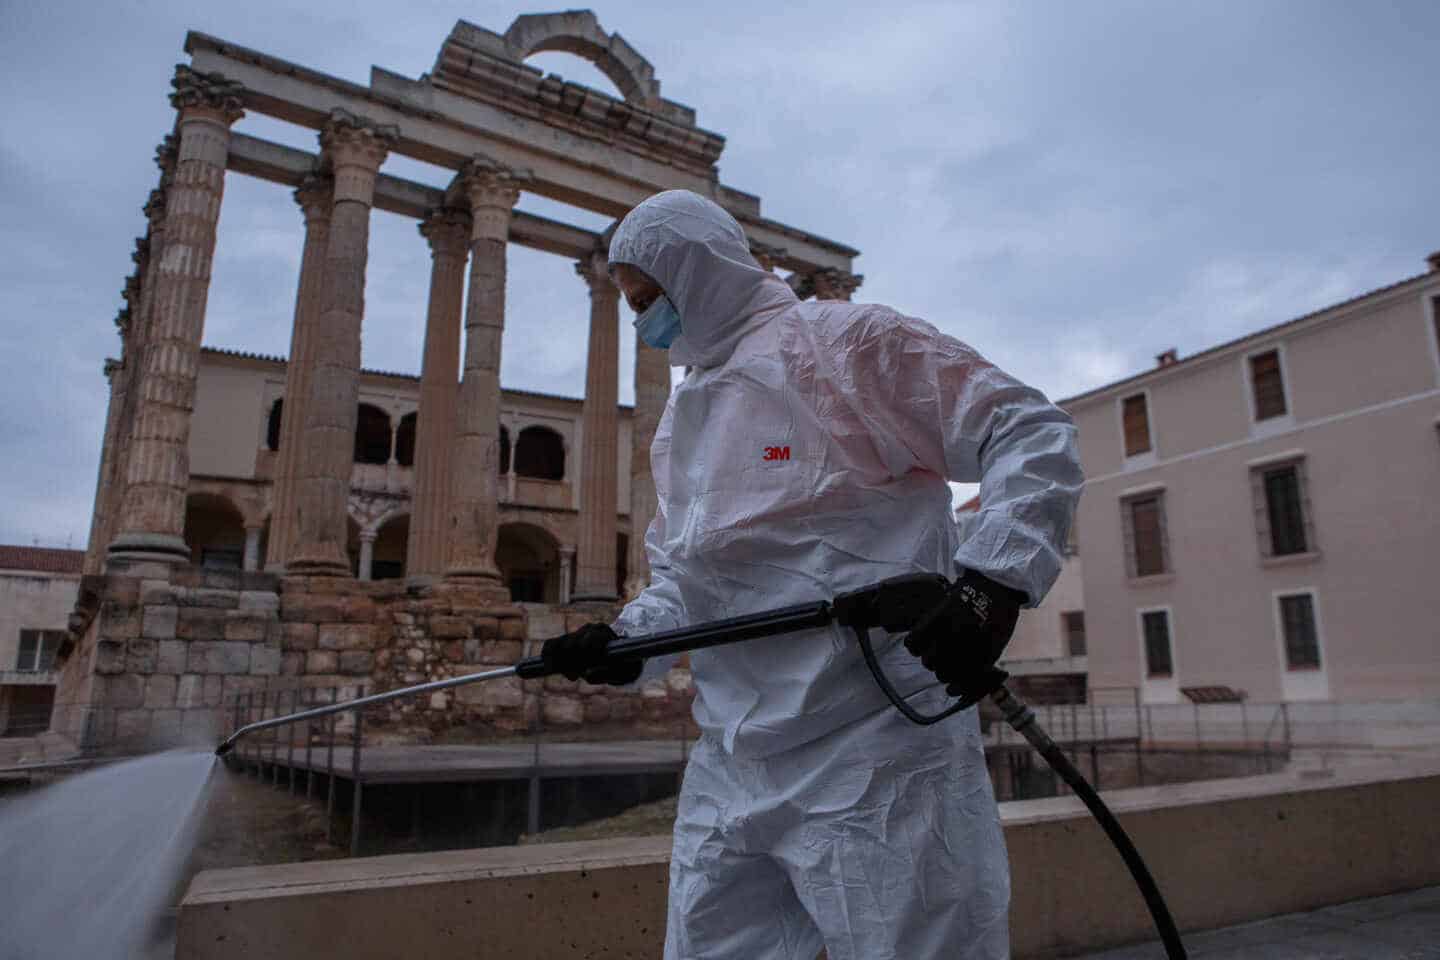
(728, 901)
(903, 856)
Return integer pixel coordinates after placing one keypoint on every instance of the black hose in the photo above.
(1023, 720)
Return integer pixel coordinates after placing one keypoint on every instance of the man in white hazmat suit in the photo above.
(813, 813)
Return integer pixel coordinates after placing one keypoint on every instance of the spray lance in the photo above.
(893, 605)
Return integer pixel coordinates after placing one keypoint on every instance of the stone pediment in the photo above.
(484, 65)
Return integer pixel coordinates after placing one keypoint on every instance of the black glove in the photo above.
(961, 639)
(580, 655)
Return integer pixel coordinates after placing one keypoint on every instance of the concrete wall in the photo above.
(1040, 634)
(32, 601)
(1363, 412)
(1222, 852)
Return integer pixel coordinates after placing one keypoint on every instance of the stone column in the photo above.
(652, 392)
(251, 560)
(316, 198)
(448, 231)
(367, 554)
(108, 451)
(565, 554)
(492, 192)
(595, 554)
(152, 515)
(355, 147)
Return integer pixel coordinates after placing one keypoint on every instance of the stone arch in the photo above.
(529, 560)
(392, 535)
(579, 32)
(540, 453)
(214, 531)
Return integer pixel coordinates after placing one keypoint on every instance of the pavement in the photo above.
(1404, 926)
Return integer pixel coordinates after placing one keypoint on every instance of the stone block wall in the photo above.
(172, 651)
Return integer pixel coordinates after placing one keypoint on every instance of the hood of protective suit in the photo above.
(701, 259)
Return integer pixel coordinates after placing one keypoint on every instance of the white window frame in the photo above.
(1265, 428)
(1432, 334)
(1138, 461)
(1303, 684)
(1158, 689)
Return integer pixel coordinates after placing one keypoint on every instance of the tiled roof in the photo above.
(41, 559)
(1264, 331)
(969, 506)
(268, 358)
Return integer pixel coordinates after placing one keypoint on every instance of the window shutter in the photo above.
(29, 650)
(1262, 511)
(1306, 514)
(1135, 418)
(1268, 385)
(1164, 533)
(1127, 526)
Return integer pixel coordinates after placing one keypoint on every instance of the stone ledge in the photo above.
(1223, 853)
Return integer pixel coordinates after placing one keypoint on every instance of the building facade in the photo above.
(38, 586)
(1265, 515)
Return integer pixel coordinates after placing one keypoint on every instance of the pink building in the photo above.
(1265, 515)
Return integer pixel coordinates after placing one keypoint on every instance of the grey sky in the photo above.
(1070, 187)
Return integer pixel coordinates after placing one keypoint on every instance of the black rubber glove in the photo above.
(961, 639)
(580, 655)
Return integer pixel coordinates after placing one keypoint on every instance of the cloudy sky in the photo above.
(1070, 187)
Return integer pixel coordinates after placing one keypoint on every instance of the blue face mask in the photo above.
(659, 324)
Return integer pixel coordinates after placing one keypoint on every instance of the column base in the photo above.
(593, 596)
(149, 548)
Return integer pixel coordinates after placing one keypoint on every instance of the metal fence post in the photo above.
(355, 773)
(290, 744)
(330, 770)
(309, 744)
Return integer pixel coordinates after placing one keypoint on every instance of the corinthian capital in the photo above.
(207, 91)
(491, 189)
(355, 147)
(594, 269)
(766, 255)
(155, 210)
(447, 229)
(316, 195)
(833, 284)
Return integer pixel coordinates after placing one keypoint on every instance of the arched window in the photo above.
(272, 429)
(504, 451)
(372, 435)
(405, 441)
(540, 453)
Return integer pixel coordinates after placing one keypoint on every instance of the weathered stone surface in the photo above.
(215, 690)
(172, 656)
(244, 626)
(264, 660)
(232, 686)
(623, 708)
(455, 651)
(160, 691)
(159, 622)
(415, 656)
(119, 622)
(190, 691)
(228, 580)
(309, 608)
(563, 711)
(322, 661)
(356, 662)
(259, 600)
(126, 690)
(200, 623)
(140, 655)
(110, 656)
(222, 656)
(292, 663)
(513, 628)
(543, 626)
(132, 727)
(449, 628)
(439, 700)
(224, 599)
(298, 636)
(159, 592)
(122, 590)
(504, 692)
(560, 684)
(347, 636)
(597, 710)
(501, 651)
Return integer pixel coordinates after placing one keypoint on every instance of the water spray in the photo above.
(893, 605)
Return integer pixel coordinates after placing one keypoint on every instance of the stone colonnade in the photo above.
(144, 473)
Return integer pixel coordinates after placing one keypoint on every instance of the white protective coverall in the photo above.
(813, 813)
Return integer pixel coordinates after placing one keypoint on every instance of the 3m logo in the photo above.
(777, 453)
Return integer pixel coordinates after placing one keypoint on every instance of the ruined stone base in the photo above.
(181, 655)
